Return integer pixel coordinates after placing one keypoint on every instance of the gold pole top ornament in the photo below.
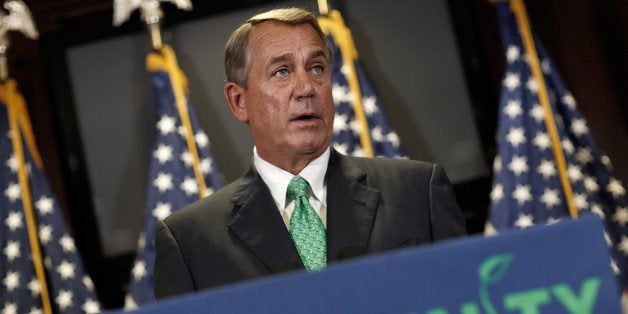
(151, 14)
(323, 7)
(19, 18)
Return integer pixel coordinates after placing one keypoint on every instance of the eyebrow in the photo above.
(288, 56)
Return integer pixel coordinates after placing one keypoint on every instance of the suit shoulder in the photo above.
(378, 164)
(211, 207)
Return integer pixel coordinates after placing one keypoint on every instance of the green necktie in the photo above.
(306, 227)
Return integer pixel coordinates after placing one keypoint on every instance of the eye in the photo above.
(281, 72)
(318, 69)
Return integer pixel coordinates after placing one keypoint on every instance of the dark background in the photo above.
(586, 39)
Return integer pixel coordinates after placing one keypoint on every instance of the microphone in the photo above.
(286, 266)
(350, 252)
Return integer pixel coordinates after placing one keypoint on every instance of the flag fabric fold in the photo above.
(173, 179)
(49, 275)
(526, 187)
(360, 125)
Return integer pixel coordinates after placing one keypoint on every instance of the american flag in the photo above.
(526, 189)
(70, 288)
(346, 139)
(171, 181)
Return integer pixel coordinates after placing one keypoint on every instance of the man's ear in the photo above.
(234, 94)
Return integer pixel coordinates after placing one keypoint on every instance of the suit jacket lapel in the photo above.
(257, 223)
(351, 207)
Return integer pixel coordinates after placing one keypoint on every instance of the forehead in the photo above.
(271, 38)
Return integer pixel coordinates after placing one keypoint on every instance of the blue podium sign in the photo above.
(562, 268)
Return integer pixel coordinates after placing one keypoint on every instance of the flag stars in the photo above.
(579, 127)
(201, 139)
(497, 164)
(597, 209)
(542, 141)
(90, 306)
(13, 192)
(547, 169)
(516, 136)
(341, 93)
(580, 201)
(513, 109)
(9, 308)
(532, 85)
(537, 113)
(550, 198)
(64, 299)
(139, 270)
(187, 158)
(497, 193)
(44, 205)
(66, 270)
(12, 250)
(569, 101)
(11, 281)
(163, 182)
(393, 138)
(45, 233)
(376, 134)
(163, 153)
(162, 210)
(518, 165)
(12, 163)
(546, 66)
(524, 221)
(14, 221)
(623, 245)
(34, 286)
(166, 125)
(206, 166)
(522, 194)
(370, 105)
(574, 172)
(355, 126)
(512, 53)
(511, 81)
(590, 184)
(67, 243)
(584, 155)
(568, 146)
(614, 187)
(340, 123)
(35, 310)
(189, 186)
(615, 268)
(621, 216)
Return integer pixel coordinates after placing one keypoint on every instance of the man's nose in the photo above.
(304, 87)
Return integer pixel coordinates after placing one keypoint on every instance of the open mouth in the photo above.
(305, 117)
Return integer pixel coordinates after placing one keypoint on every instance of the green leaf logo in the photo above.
(494, 268)
(490, 272)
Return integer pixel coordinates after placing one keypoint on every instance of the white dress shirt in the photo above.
(278, 179)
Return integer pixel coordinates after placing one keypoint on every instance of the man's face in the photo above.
(288, 104)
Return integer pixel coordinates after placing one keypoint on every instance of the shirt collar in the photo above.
(278, 179)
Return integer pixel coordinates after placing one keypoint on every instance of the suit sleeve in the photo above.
(447, 220)
(171, 272)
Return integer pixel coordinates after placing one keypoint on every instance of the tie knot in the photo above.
(297, 188)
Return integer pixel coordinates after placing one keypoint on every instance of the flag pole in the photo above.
(12, 99)
(333, 24)
(519, 9)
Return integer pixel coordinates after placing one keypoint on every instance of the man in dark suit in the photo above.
(279, 83)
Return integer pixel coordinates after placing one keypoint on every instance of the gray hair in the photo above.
(237, 54)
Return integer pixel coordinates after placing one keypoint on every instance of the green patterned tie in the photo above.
(306, 227)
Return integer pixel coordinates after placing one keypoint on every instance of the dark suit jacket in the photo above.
(237, 233)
